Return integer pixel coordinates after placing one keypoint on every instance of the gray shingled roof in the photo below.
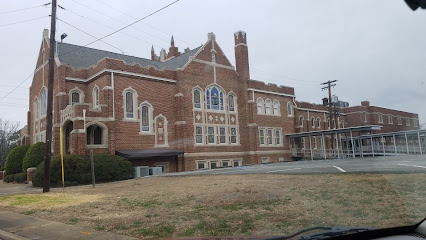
(84, 57)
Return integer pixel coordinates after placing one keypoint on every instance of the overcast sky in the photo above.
(376, 49)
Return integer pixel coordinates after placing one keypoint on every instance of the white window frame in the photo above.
(224, 136)
(390, 119)
(43, 101)
(262, 136)
(217, 162)
(301, 121)
(265, 160)
(239, 161)
(95, 97)
(415, 123)
(407, 122)
(328, 123)
(276, 107)
(279, 138)
(81, 95)
(195, 134)
(260, 105)
(135, 104)
(270, 137)
(220, 90)
(150, 118)
(236, 135)
(201, 98)
(208, 134)
(399, 120)
(315, 142)
(290, 109)
(228, 161)
(318, 123)
(379, 117)
(205, 163)
(365, 116)
(268, 105)
(234, 97)
(313, 122)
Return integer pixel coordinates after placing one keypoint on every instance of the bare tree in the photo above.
(8, 138)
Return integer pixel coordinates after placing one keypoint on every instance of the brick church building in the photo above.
(179, 110)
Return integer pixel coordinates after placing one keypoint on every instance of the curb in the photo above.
(10, 236)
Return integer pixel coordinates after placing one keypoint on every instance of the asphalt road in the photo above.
(392, 164)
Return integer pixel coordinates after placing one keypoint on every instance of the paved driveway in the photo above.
(392, 164)
(10, 188)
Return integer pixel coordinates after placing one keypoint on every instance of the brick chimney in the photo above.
(153, 57)
(365, 103)
(241, 55)
(173, 51)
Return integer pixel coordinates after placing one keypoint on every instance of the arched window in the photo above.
(276, 107)
(313, 122)
(214, 98)
(260, 106)
(43, 102)
(231, 102)
(328, 123)
(268, 106)
(319, 122)
(36, 109)
(130, 104)
(94, 135)
(197, 98)
(343, 124)
(95, 97)
(75, 97)
(290, 109)
(301, 119)
(146, 118)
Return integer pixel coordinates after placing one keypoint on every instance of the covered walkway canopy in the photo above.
(147, 153)
(322, 133)
(410, 142)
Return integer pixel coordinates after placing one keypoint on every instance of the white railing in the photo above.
(67, 113)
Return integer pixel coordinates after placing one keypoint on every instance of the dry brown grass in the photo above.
(240, 204)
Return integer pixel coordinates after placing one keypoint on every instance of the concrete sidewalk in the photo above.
(16, 226)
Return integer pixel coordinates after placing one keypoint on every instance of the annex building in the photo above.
(181, 110)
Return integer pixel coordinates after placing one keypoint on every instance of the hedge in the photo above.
(34, 156)
(18, 177)
(14, 159)
(77, 170)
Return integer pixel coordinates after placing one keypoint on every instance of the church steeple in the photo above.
(172, 42)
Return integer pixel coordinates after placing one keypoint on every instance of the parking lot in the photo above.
(388, 164)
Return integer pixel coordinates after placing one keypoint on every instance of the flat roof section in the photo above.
(334, 131)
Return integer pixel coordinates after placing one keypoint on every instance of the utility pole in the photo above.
(49, 125)
(330, 83)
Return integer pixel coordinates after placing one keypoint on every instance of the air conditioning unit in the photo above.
(153, 171)
(140, 171)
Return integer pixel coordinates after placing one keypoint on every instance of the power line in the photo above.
(126, 14)
(99, 39)
(91, 35)
(104, 25)
(29, 20)
(23, 9)
(16, 87)
(117, 20)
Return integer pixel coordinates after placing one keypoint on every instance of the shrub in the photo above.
(77, 170)
(14, 159)
(34, 156)
(18, 177)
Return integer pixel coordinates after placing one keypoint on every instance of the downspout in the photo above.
(84, 119)
(113, 96)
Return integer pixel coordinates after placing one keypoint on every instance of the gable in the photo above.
(206, 54)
